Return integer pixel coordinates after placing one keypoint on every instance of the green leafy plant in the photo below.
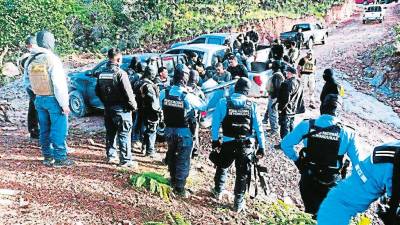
(282, 214)
(177, 219)
(153, 182)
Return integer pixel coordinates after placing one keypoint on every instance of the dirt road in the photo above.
(96, 193)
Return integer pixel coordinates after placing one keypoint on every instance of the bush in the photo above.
(92, 25)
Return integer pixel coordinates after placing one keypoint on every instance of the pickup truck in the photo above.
(313, 33)
(373, 13)
(81, 84)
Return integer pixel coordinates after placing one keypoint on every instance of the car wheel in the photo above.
(310, 43)
(77, 104)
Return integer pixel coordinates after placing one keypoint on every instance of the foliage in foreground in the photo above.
(282, 214)
(153, 182)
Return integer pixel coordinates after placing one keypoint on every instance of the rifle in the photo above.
(258, 170)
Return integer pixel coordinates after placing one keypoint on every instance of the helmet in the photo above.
(181, 74)
(243, 86)
(331, 104)
(150, 72)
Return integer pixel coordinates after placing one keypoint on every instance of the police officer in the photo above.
(149, 109)
(372, 178)
(115, 91)
(321, 161)
(178, 107)
(240, 122)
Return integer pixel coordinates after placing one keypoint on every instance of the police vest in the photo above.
(238, 120)
(391, 154)
(323, 146)
(309, 66)
(110, 90)
(39, 76)
(175, 115)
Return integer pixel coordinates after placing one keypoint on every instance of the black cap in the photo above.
(243, 86)
(181, 74)
(230, 56)
(331, 104)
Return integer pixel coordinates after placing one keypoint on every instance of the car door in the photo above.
(319, 32)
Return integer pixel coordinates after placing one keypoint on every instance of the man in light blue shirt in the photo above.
(321, 162)
(240, 123)
(372, 178)
(179, 106)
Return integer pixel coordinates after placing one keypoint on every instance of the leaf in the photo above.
(140, 181)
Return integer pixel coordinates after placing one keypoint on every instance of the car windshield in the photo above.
(374, 9)
(303, 27)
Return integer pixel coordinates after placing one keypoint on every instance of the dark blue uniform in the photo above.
(178, 107)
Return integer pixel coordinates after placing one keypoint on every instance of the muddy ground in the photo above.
(94, 192)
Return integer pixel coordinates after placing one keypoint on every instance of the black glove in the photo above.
(216, 144)
(260, 153)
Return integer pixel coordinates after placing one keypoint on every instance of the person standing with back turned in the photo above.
(49, 83)
(114, 90)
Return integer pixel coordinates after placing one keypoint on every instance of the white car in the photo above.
(210, 53)
(373, 13)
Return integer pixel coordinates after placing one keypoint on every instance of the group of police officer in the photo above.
(237, 135)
